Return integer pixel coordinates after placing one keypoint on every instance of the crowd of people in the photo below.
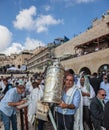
(85, 101)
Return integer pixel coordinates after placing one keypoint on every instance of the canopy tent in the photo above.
(13, 69)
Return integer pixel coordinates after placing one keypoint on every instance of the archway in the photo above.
(85, 70)
(71, 71)
(103, 69)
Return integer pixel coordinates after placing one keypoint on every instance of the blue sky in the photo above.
(26, 24)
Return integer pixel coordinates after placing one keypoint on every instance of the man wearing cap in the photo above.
(8, 106)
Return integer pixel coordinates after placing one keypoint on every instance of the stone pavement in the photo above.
(18, 120)
(47, 125)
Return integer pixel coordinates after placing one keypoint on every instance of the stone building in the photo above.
(2, 58)
(89, 51)
(39, 61)
(18, 60)
(5, 60)
(21, 58)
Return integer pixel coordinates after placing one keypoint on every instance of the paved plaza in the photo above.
(47, 125)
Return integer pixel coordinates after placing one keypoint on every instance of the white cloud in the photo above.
(7, 47)
(32, 43)
(70, 3)
(15, 48)
(47, 7)
(84, 1)
(5, 37)
(29, 44)
(26, 20)
(43, 21)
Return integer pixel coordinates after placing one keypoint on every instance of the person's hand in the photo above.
(63, 105)
(85, 94)
(22, 102)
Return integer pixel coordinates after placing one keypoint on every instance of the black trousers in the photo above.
(40, 124)
(64, 122)
(87, 117)
(107, 128)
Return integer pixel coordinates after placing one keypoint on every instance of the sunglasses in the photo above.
(105, 78)
(103, 95)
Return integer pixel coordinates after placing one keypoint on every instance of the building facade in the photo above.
(89, 51)
(22, 58)
(39, 61)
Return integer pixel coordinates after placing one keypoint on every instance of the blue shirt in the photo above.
(75, 101)
(11, 96)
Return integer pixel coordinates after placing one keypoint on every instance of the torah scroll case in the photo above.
(54, 83)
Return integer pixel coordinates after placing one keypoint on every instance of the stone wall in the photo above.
(96, 31)
(92, 61)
